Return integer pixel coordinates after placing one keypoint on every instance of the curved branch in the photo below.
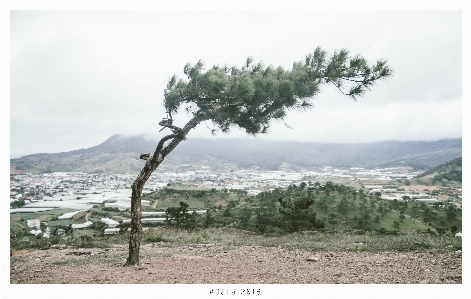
(174, 129)
(180, 136)
(161, 145)
(347, 94)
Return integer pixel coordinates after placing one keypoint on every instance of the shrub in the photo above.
(296, 215)
(179, 217)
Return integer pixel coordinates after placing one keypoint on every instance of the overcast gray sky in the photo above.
(78, 77)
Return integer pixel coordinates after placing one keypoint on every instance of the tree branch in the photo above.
(347, 94)
(161, 145)
(352, 80)
(179, 137)
(144, 156)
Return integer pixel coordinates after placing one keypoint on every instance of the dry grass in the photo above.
(318, 241)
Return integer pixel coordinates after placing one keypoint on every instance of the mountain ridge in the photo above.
(120, 153)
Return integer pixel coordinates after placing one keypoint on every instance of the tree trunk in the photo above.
(136, 213)
(136, 226)
(152, 162)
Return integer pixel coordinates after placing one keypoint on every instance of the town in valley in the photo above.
(66, 194)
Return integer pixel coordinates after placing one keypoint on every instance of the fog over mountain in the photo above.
(121, 154)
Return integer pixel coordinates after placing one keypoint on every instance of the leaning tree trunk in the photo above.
(152, 162)
(136, 213)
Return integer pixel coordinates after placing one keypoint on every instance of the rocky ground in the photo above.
(213, 264)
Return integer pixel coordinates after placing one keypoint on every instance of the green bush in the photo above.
(296, 215)
(179, 218)
(17, 203)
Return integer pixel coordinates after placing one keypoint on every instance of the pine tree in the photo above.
(251, 98)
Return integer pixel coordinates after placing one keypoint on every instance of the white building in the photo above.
(111, 231)
(34, 223)
(82, 225)
(110, 222)
(254, 192)
(153, 214)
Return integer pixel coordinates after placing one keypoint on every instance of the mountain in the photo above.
(120, 154)
(451, 171)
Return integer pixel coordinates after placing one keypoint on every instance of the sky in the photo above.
(79, 76)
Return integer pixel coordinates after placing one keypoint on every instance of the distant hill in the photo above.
(451, 171)
(120, 154)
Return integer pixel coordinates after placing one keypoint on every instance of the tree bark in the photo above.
(152, 162)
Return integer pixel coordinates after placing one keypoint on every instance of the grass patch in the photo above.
(32, 242)
(318, 241)
(94, 259)
(59, 222)
(153, 238)
(17, 225)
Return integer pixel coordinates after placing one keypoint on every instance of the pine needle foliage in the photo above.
(251, 96)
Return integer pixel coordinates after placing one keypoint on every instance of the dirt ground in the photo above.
(213, 264)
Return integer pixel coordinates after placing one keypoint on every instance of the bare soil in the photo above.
(214, 264)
